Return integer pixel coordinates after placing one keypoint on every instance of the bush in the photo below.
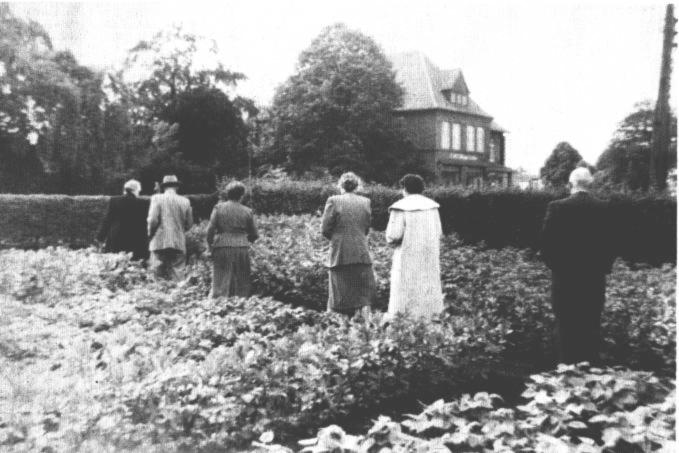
(293, 383)
(645, 227)
(573, 408)
(207, 374)
(37, 221)
(509, 286)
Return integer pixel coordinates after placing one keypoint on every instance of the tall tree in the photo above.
(176, 78)
(559, 165)
(211, 129)
(50, 113)
(626, 161)
(172, 62)
(334, 112)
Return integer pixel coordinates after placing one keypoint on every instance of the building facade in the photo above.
(459, 142)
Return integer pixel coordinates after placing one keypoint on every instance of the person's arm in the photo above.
(439, 227)
(212, 226)
(153, 220)
(547, 237)
(609, 238)
(251, 228)
(106, 224)
(395, 227)
(329, 219)
(188, 218)
(369, 222)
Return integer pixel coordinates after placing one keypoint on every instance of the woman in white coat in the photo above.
(415, 229)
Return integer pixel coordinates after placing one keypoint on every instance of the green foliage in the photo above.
(168, 60)
(625, 163)
(645, 226)
(52, 128)
(508, 286)
(211, 130)
(559, 165)
(299, 379)
(334, 112)
(198, 131)
(570, 409)
(176, 370)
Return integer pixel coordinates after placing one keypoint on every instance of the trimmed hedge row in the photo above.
(645, 227)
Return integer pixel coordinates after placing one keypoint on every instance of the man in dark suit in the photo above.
(124, 227)
(576, 246)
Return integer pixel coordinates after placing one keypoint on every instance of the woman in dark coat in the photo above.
(229, 234)
(346, 222)
(124, 227)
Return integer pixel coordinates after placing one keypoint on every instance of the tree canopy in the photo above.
(51, 121)
(176, 78)
(559, 165)
(334, 112)
(626, 161)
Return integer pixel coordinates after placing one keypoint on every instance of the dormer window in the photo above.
(455, 98)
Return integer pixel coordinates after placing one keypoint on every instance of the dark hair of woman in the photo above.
(413, 184)
(349, 185)
(235, 191)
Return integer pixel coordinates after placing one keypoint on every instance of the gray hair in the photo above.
(349, 182)
(132, 186)
(580, 178)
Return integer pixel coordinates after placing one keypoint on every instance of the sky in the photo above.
(547, 71)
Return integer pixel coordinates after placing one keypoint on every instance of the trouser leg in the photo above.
(158, 264)
(176, 265)
(578, 304)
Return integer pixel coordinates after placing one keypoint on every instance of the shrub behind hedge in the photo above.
(644, 227)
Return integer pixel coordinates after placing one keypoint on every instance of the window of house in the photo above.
(445, 135)
(493, 151)
(480, 140)
(457, 137)
(470, 138)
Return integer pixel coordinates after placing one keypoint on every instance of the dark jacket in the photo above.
(231, 225)
(346, 222)
(576, 236)
(124, 227)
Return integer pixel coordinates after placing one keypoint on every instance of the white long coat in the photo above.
(415, 225)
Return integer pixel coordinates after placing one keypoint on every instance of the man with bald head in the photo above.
(576, 246)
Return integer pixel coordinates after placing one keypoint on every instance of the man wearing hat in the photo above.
(170, 216)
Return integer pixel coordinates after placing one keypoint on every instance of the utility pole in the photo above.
(660, 144)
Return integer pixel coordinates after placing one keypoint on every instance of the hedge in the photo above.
(645, 226)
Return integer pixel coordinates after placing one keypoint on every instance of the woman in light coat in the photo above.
(415, 229)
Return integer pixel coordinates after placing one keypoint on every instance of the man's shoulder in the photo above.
(355, 198)
(178, 198)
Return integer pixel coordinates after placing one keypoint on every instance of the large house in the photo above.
(460, 143)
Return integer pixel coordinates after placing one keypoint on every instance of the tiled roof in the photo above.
(423, 83)
(496, 127)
